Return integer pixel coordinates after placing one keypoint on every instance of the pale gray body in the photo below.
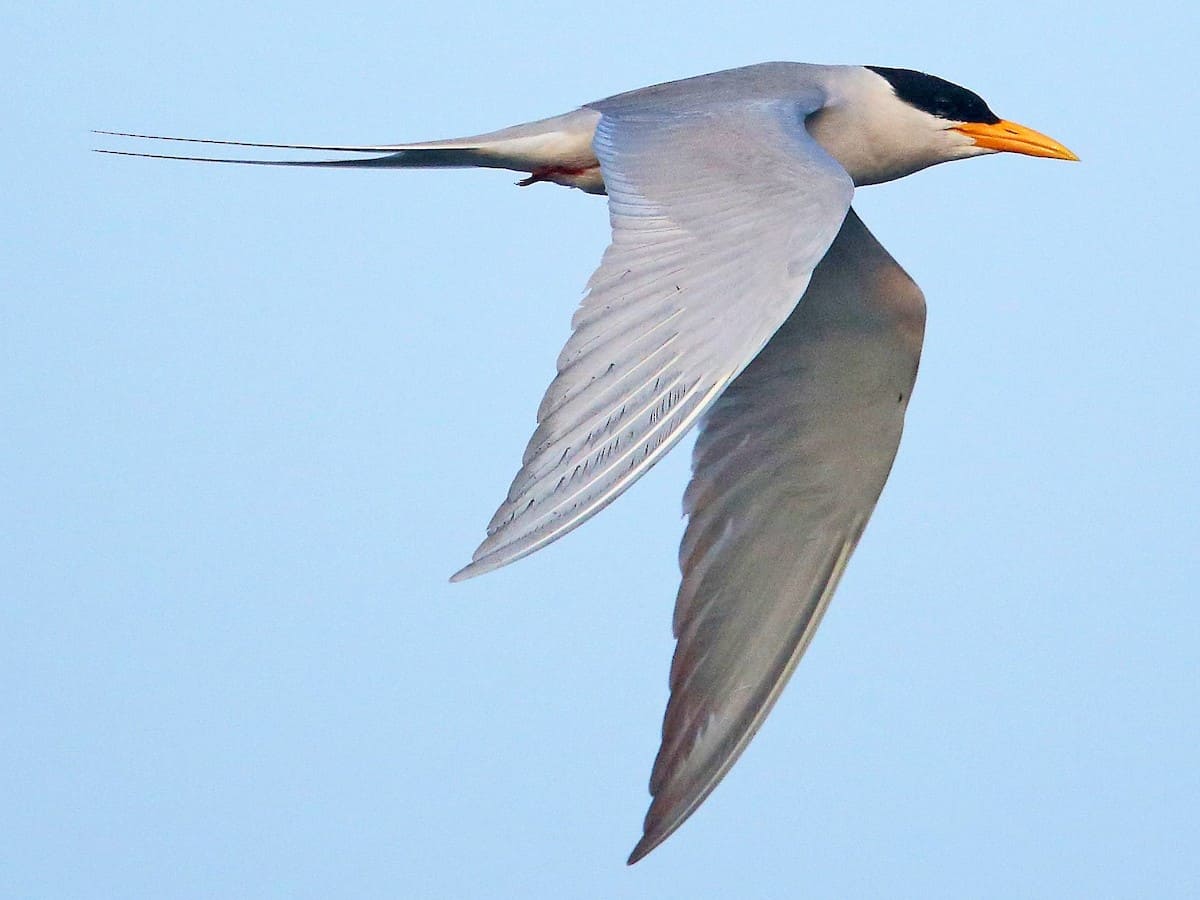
(741, 292)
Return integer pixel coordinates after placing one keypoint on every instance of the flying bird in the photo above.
(741, 292)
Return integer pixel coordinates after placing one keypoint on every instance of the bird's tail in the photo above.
(556, 149)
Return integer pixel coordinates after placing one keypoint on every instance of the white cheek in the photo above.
(963, 147)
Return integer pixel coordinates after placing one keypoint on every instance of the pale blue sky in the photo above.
(255, 418)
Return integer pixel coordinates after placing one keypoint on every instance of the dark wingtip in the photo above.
(643, 848)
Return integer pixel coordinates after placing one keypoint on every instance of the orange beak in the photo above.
(1009, 137)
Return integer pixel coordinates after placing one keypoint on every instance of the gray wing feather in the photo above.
(786, 471)
(719, 215)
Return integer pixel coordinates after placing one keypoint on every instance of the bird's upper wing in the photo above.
(786, 471)
(719, 215)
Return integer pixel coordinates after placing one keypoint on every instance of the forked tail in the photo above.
(557, 149)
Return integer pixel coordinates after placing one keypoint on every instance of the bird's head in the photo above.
(892, 122)
(966, 124)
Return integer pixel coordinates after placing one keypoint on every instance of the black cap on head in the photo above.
(937, 96)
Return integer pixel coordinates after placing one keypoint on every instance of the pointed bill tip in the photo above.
(1009, 137)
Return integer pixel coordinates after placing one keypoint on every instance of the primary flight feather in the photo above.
(742, 292)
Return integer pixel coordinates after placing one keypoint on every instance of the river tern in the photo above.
(742, 292)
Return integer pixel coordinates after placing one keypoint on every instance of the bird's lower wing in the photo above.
(786, 471)
(719, 215)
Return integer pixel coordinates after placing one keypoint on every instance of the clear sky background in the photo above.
(254, 418)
